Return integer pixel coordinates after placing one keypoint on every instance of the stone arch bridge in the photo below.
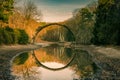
(40, 28)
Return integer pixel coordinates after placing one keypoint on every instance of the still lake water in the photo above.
(53, 63)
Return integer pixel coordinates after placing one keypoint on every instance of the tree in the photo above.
(29, 10)
(107, 26)
(13, 36)
(24, 39)
(17, 36)
(6, 7)
(1, 35)
(82, 23)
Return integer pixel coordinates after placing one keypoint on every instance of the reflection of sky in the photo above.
(53, 65)
(59, 10)
(65, 74)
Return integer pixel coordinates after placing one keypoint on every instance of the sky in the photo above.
(59, 10)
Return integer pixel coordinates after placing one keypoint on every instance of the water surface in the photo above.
(53, 63)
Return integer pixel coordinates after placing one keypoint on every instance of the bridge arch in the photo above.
(40, 28)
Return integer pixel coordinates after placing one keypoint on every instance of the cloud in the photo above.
(58, 10)
(53, 13)
(64, 1)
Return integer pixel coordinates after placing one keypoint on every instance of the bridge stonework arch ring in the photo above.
(40, 28)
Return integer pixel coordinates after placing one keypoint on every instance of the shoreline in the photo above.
(28, 46)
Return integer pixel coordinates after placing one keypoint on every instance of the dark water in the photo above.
(53, 63)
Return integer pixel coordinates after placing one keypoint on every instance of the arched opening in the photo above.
(69, 34)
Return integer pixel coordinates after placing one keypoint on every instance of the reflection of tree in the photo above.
(83, 64)
(21, 59)
(54, 53)
(53, 69)
(25, 71)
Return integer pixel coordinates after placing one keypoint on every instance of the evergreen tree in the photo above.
(107, 26)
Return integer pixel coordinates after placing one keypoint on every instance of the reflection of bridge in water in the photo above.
(53, 69)
(40, 28)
